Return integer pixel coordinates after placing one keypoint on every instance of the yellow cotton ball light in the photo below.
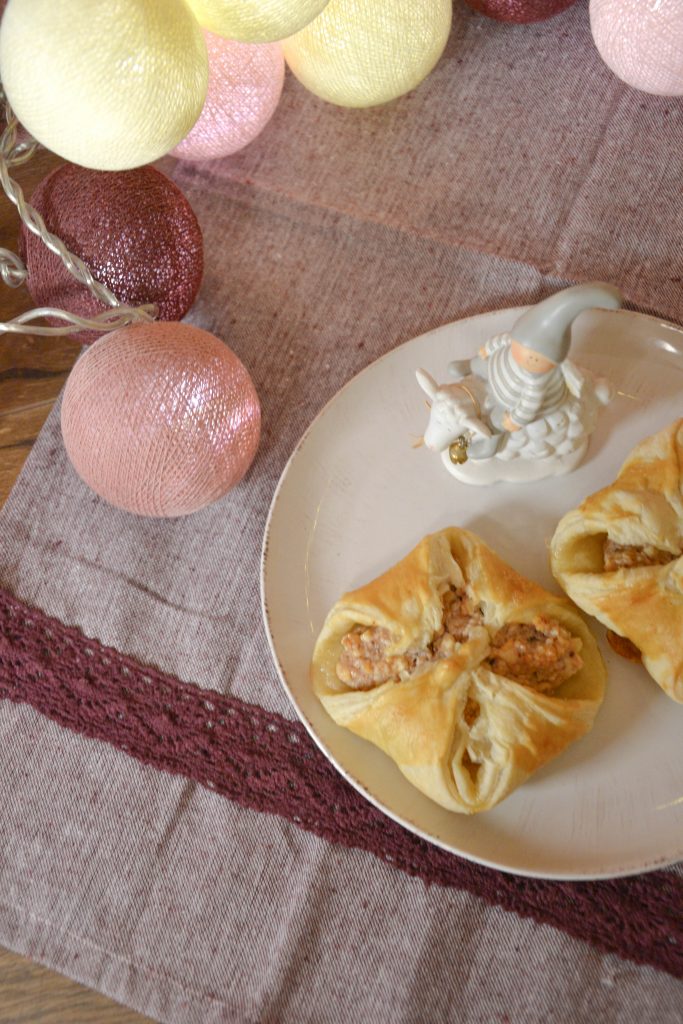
(108, 84)
(359, 53)
(256, 21)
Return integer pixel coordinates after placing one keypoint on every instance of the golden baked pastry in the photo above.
(466, 674)
(618, 556)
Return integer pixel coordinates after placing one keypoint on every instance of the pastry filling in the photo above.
(364, 661)
(541, 655)
(623, 646)
(631, 556)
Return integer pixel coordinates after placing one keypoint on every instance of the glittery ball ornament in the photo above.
(109, 84)
(160, 419)
(136, 232)
(642, 43)
(245, 84)
(255, 21)
(521, 11)
(359, 54)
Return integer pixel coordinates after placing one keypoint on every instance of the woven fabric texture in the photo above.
(521, 143)
(520, 165)
(268, 763)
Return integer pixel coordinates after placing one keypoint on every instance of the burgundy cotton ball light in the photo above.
(520, 11)
(136, 232)
(642, 43)
(160, 419)
(245, 84)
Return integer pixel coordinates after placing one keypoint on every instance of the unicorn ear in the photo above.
(427, 383)
(477, 426)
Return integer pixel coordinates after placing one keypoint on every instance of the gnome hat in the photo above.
(546, 327)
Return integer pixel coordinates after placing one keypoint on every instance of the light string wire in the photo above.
(14, 273)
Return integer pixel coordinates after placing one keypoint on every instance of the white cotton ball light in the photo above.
(245, 85)
(642, 43)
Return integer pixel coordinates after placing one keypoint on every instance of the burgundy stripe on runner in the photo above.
(265, 762)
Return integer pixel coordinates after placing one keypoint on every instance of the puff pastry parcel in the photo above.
(619, 556)
(466, 674)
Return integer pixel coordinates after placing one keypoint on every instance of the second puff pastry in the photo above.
(464, 672)
(618, 555)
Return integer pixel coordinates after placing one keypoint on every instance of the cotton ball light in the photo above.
(255, 21)
(359, 54)
(109, 84)
(642, 43)
(160, 419)
(520, 11)
(135, 231)
(245, 84)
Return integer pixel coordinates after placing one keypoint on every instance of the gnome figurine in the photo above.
(528, 409)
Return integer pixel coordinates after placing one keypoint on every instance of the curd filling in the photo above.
(541, 655)
(631, 556)
(364, 662)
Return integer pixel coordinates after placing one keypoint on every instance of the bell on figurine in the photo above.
(458, 450)
(529, 410)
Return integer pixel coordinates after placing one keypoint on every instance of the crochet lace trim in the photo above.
(265, 762)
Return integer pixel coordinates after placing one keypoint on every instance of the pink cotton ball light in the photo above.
(245, 85)
(135, 231)
(642, 43)
(160, 419)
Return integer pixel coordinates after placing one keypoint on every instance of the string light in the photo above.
(158, 418)
(13, 271)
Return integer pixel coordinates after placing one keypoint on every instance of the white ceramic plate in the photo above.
(356, 496)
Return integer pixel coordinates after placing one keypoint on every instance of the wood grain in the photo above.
(32, 373)
(30, 994)
(32, 369)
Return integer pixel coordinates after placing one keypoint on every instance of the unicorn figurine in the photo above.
(520, 410)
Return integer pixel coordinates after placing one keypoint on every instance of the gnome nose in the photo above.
(530, 360)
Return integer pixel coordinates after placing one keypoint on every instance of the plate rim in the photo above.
(625, 871)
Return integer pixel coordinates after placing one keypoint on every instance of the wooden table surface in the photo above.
(32, 372)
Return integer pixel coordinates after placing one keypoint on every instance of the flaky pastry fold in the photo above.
(641, 510)
(461, 733)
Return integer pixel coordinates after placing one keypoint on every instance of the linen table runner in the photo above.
(266, 762)
(169, 835)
